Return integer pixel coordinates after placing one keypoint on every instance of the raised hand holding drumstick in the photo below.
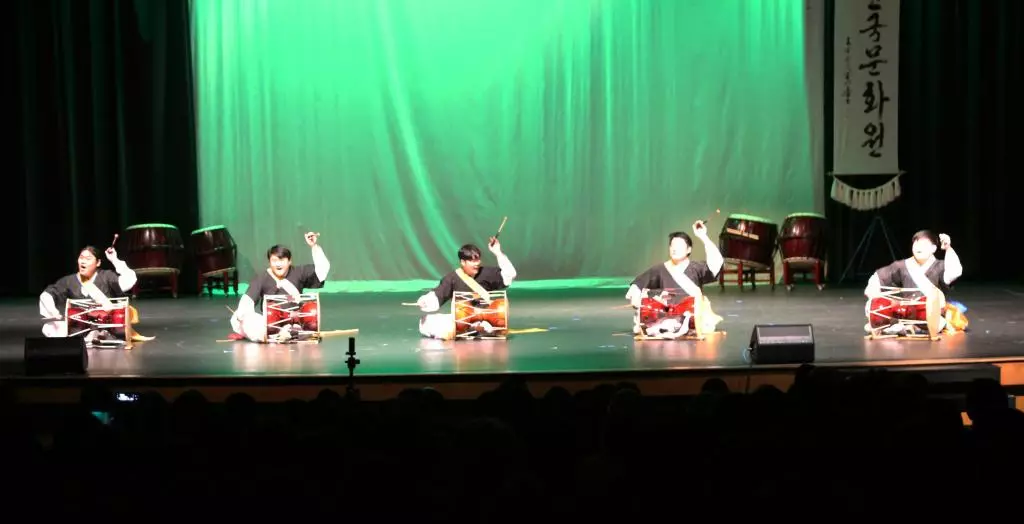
(493, 243)
(700, 227)
(111, 252)
(311, 238)
(494, 240)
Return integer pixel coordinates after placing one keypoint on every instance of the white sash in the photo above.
(89, 288)
(917, 274)
(474, 285)
(285, 284)
(679, 275)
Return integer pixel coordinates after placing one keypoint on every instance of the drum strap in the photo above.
(917, 274)
(474, 285)
(89, 288)
(679, 274)
(285, 284)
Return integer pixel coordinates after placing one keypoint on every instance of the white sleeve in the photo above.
(245, 306)
(508, 271)
(634, 291)
(320, 263)
(126, 277)
(714, 256)
(428, 303)
(47, 308)
(874, 286)
(245, 320)
(953, 268)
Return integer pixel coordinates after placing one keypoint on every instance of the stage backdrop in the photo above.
(400, 130)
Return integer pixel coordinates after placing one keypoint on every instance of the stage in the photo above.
(586, 339)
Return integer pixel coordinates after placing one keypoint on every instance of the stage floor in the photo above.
(587, 331)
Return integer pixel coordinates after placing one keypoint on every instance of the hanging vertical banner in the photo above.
(865, 98)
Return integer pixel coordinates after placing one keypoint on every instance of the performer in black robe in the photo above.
(677, 278)
(280, 278)
(470, 274)
(920, 275)
(90, 282)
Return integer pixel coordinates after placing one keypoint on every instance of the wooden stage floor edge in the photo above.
(660, 382)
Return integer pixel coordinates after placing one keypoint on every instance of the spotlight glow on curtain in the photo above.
(401, 129)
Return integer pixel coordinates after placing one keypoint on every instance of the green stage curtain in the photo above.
(401, 129)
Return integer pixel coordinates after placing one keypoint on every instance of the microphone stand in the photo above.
(351, 393)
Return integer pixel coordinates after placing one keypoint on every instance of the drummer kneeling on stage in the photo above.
(685, 277)
(89, 283)
(281, 278)
(470, 276)
(917, 277)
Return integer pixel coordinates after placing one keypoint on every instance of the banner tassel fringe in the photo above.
(866, 199)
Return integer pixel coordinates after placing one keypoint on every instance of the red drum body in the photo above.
(110, 324)
(653, 311)
(152, 248)
(214, 249)
(804, 238)
(886, 311)
(305, 317)
(470, 310)
(748, 240)
(292, 319)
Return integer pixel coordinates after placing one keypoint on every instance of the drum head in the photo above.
(210, 228)
(750, 218)
(150, 226)
(806, 214)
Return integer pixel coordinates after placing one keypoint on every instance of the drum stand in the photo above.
(877, 334)
(747, 274)
(226, 279)
(865, 241)
(802, 267)
(693, 336)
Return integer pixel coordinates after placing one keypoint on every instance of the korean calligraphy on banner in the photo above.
(864, 102)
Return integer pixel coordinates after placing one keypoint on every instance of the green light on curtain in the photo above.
(402, 129)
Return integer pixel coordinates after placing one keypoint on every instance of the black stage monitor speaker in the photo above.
(782, 344)
(56, 356)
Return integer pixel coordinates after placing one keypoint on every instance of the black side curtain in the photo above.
(104, 120)
(960, 103)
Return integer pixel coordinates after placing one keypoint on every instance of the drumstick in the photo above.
(339, 332)
(114, 241)
(502, 226)
(231, 310)
(706, 220)
(409, 304)
(717, 212)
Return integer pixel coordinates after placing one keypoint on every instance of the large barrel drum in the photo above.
(804, 237)
(152, 248)
(749, 240)
(214, 249)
